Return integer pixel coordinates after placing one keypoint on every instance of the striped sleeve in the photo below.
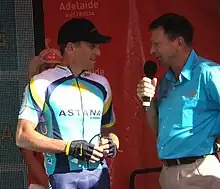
(33, 101)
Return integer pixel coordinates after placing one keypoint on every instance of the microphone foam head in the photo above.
(150, 69)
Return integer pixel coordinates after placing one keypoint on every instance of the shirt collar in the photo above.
(186, 71)
(70, 72)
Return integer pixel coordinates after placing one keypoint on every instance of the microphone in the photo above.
(150, 70)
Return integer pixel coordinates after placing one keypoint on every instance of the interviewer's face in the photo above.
(162, 48)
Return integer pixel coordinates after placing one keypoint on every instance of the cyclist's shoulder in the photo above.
(96, 78)
(47, 77)
(50, 75)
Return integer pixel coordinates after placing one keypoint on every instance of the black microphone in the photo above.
(150, 70)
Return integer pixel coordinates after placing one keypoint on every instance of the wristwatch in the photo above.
(217, 146)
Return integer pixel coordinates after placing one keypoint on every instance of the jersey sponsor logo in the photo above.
(92, 113)
(42, 127)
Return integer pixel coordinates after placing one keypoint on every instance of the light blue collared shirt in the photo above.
(189, 109)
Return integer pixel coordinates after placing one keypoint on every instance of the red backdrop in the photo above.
(122, 63)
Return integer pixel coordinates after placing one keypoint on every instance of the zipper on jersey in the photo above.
(82, 109)
(83, 132)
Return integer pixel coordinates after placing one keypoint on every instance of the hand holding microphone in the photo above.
(147, 85)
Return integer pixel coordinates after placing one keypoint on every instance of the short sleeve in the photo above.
(212, 84)
(33, 102)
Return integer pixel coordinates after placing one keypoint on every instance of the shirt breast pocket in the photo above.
(189, 105)
(189, 102)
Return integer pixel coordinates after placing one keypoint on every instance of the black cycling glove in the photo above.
(80, 149)
(112, 148)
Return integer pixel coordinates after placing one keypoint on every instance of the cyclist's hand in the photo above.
(83, 150)
(109, 147)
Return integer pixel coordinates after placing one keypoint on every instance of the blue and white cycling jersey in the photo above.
(73, 108)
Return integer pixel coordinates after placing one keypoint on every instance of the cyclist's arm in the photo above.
(27, 137)
(29, 116)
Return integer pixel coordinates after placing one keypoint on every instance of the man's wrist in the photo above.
(67, 148)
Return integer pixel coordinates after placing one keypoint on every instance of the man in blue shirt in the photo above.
(186, 112)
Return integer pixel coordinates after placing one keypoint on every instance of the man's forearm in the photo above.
(152, 116)
(40, 143)
(32, 140)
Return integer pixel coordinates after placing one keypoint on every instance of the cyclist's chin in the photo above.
(90, 67)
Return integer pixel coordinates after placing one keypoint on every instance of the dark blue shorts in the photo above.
(95, 179)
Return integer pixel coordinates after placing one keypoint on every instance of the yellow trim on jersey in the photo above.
(35, 95)
(109, 124)
(107, 104)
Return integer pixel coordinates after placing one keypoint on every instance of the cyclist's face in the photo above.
(86, 54)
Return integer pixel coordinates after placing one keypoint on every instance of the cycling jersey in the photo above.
(73, 108)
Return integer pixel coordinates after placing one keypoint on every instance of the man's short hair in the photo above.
(174, 26)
